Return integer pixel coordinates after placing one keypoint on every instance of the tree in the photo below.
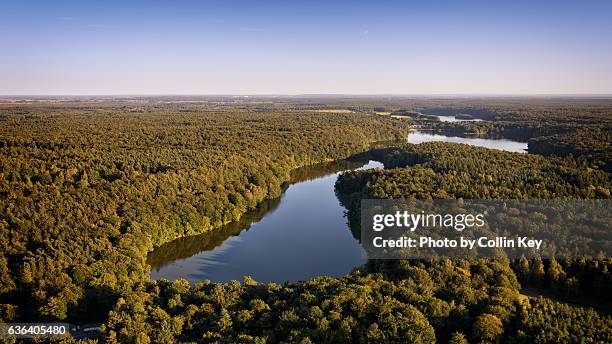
(458, 338)
(487, 328)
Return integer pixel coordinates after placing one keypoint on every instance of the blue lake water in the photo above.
(303, 235)
(417, 137)
(455, 119)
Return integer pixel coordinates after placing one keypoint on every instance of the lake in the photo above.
(417, 137)
(455, 119)
(302, 235)
(299, 236)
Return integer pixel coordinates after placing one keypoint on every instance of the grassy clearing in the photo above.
(401, 117)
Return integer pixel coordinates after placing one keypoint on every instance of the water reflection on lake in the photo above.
(455, 119)
(417, 137)
(299, 236)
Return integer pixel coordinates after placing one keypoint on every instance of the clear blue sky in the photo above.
(282, 47)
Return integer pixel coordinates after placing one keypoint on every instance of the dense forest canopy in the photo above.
(89, 186)
(87, 190)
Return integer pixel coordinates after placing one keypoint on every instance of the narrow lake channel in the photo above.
(301, 235)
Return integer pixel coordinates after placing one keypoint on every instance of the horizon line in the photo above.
(313, 94)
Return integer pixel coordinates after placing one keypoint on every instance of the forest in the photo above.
(89, 187)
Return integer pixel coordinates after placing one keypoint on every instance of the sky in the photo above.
(305, 47)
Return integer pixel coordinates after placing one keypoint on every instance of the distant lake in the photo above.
(417, 137)
(455, 119)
